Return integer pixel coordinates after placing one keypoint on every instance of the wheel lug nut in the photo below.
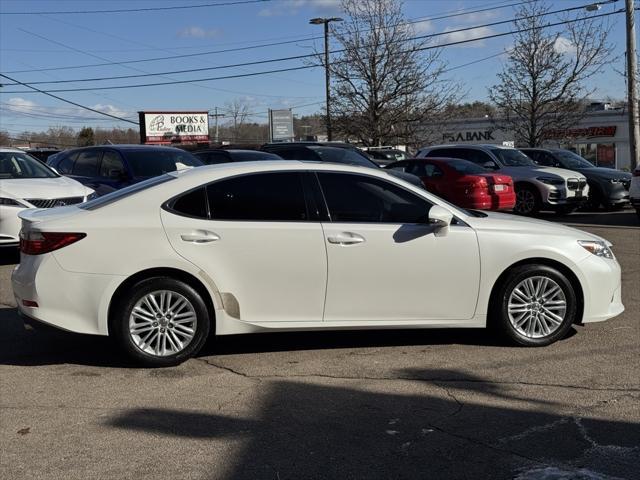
(155, 324)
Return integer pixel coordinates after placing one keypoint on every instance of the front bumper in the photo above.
(553, 195)
(10, 225)
(602, 285)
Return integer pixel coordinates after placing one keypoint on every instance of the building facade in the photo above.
(602, 137)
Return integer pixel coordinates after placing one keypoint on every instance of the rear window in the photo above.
(465, 167)
(125, 192)
(151, 163)
(342, 155)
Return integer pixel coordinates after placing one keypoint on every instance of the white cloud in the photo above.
(31, 109)
(110, 109)
(18, 104)
(466, 35)
(198, 32)
(564, 45)
(420, 28)
(292, 7)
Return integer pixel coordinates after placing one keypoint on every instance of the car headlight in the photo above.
(551, 180)
(597, 247)
(617, 180)
(11, 202)
(91, 196)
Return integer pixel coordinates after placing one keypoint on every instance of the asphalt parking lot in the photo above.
(390, 404)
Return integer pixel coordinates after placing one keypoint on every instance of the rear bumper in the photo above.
(76, 302)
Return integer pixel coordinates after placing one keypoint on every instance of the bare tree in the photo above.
(386, 85)
(543, 84)
(238, 111)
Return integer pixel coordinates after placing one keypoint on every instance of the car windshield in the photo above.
(571, 160)
(512, 157)
(21, 165)
(151, 163)
(342, 155)
(465, 167)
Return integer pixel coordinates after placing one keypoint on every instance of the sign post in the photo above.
(173, 127)
(281, 125)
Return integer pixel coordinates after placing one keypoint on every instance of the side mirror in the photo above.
(490, 165)
(440, 218)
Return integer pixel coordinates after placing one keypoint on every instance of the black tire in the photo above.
(499, 314)
(638, 213)
(594, 200)
(527, 200)
(122, 311)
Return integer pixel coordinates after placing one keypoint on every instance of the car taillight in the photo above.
(37, 243)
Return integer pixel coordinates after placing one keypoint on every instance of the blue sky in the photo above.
(29, 42)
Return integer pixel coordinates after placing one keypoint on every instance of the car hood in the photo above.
(530, 173)
(605, 173)
(58, 187)
(515, 223)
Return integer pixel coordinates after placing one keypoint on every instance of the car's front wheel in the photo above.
(535, 305)
(160, 322)
(527, 200)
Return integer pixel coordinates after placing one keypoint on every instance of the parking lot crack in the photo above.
(459, 404)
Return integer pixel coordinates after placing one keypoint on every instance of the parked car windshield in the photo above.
(512, 157)
(465, 167)
(21, 165)
(125, 192)
(151, 163)
(342, 155)
(571, 160)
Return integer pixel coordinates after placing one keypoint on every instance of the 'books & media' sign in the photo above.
(174, 127)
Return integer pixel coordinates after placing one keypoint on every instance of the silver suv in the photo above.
(537, 188)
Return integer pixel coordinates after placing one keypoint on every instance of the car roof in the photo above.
(132, 147)
(474, 145)
(312, 144)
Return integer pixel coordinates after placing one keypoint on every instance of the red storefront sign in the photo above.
(587, 132)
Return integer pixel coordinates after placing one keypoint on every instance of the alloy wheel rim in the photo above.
(537, 307)
(162, 323)
(525, 201)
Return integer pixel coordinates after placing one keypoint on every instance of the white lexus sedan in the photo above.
(27, 183)
(274, 246)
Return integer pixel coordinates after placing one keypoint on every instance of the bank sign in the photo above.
(174, 127)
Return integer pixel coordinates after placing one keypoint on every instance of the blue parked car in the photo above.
(106, 168)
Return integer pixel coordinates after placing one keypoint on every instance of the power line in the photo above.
(251, 47)
(69, 101)
(134, 10)
(293, 57)
(303, 67)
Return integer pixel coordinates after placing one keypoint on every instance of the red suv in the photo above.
(461, 182)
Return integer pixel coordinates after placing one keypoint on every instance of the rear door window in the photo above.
(86, 164)
(267, 197)
(111, 166)
(65, 166)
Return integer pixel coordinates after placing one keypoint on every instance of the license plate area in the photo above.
(499, 188)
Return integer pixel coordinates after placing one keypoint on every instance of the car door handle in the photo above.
(200, 236)
(346, 238)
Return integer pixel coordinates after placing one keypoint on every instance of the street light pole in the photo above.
(327, 73)
(632, 88)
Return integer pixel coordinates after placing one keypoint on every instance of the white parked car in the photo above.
(634, 190)
(274, 246)
(27, 183)
(537, 187)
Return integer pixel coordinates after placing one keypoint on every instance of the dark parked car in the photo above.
(218, 155)
(42, 153)
(330, 153)
(385, 156)
(607, 187)
(111, 167)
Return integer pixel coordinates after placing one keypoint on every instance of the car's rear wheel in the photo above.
(160, 322)
(527, 200)
(535, 305)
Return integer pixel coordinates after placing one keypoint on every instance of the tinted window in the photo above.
(87, 163)
(212, 158)
(417, 169)
(512, 158)
(342, 155)
(111, 163)
(358, 198)
(432, 170)
(572, 160)
(66, 164)
(466, 167)
(445, 152)
(192, 204)
(260, 197)
(295, 153)
(150, 163)
(21, 165)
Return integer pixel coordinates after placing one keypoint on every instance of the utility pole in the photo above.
(215, 116)
(327, 73)
(632, 86)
